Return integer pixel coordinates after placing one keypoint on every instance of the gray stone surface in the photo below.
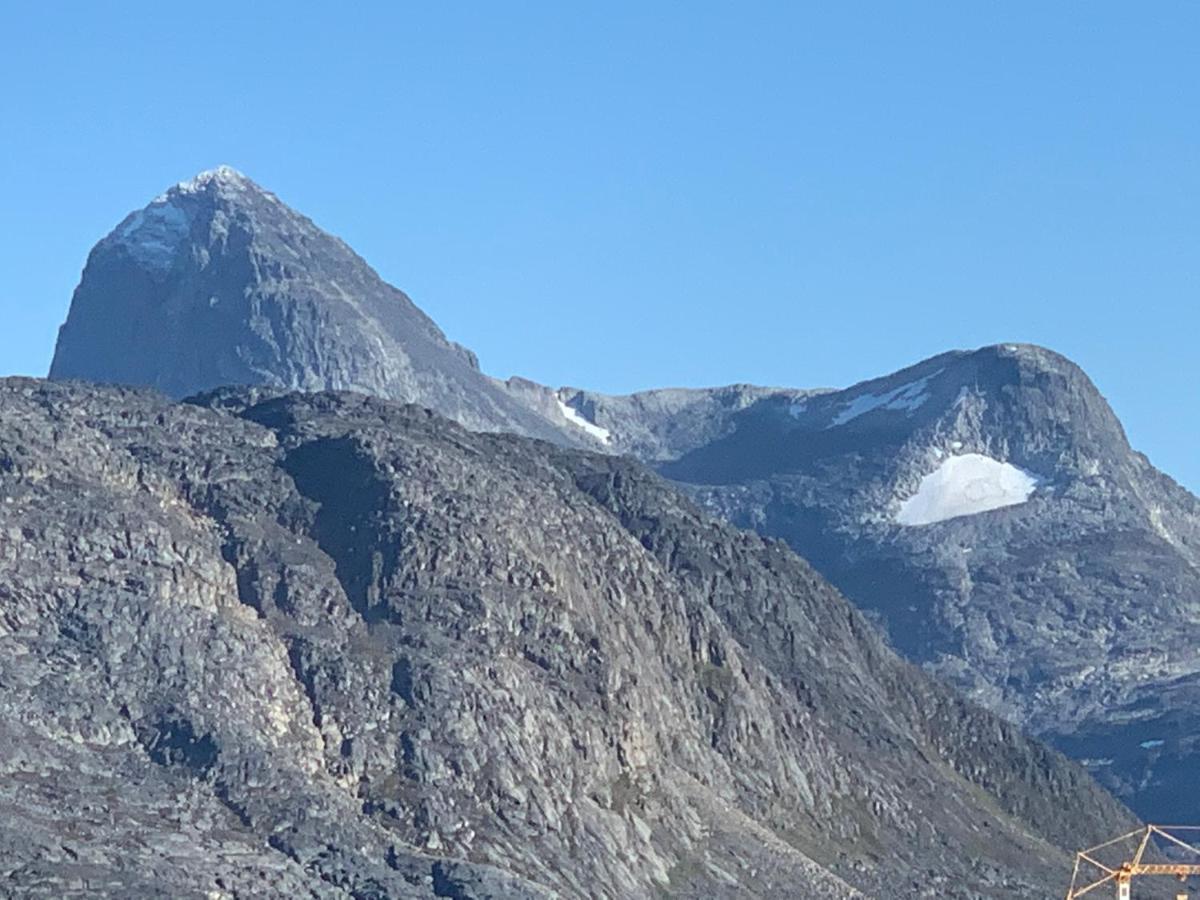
(1075, 614)
(218, 282)
(326, 646)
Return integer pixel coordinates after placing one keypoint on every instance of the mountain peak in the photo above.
(155, 235)
(222, 179)
(219, 282)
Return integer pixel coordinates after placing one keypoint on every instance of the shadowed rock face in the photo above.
(1073, 613)
(323, 645)
(217, 282)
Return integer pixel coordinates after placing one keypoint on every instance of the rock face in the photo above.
(987, 509)
(218, 282)
(329, 646)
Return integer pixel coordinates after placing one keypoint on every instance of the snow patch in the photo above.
(907, 397)
(226, 179)
(797, 408)
(1151, 745)
(221, 176)
(966, 485)
(575, 417)
(153, 235)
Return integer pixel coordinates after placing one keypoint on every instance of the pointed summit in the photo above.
(221, 175)
(218, 282)
(156, 237)
(221, 179)
(223, 184)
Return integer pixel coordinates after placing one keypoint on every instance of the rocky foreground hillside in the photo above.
(323, 645)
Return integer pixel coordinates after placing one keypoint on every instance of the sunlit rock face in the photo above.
(324, 645)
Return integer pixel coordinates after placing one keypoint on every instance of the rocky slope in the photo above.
(988, 510)
(324, 645)
(1044, 567)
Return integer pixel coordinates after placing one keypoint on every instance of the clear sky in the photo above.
(630, 195)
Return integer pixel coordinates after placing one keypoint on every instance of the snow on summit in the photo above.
(221, 176)
(153, 235)
(966, 485)
(225, 180)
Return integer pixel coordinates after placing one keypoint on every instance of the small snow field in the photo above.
(153, 235)
(576, 418)
(966, 485)
(906, 398)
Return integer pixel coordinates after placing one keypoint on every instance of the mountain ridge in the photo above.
(1068, 609)
(353, 649)
(1046, 603)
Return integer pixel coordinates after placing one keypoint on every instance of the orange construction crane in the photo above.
(1160, 851)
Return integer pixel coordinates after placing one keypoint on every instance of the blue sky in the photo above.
(630, 195)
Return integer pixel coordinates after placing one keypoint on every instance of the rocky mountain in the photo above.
(218, 282)
(987, 509)
(322, 645)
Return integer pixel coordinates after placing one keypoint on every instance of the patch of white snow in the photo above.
(153, 235)
(797, 408)
(966, 485)
(576, 418)
(226, 178)
(907, 397)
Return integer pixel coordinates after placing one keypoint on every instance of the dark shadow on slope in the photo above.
(336, 474)
(171, 740)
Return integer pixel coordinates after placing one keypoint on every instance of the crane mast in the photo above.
(1159, 852)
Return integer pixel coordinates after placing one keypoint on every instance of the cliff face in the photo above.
(218, 282)
(323, 645)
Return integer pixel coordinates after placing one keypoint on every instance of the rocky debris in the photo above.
(325, 645)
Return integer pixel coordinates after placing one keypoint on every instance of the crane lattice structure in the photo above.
(1160, 851)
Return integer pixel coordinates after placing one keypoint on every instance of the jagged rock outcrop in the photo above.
(324, 645)
(987, 510)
